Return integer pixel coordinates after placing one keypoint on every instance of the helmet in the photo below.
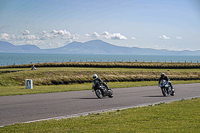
(162, 74)
(95, 76)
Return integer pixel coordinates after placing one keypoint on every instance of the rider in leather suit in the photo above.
(97, 81)
(164, 77)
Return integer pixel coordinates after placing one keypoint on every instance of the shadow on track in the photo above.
(87, 98)
(154, 96)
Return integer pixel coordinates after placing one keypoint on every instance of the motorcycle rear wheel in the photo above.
(173, 93)
(99, 93)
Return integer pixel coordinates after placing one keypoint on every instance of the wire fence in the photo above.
(97, 60)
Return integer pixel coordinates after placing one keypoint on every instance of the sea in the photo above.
(23, 58)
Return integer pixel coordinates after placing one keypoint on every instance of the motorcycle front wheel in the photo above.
(164, 92)
(110, 94)
(99, 93)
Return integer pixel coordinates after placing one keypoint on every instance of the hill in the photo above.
(91, 47)
(6, 47)
(101, 47)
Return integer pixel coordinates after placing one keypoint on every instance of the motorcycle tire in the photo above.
(110, 94)
(164, 92)
(98, 93)
(172, 94)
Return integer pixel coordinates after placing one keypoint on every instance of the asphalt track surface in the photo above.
(29, 108)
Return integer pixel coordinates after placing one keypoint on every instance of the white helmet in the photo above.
(95, 76)
(162, 74)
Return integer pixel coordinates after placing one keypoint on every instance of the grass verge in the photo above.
(176, 65)
(178, 116)
(20, 90)
(69, 75)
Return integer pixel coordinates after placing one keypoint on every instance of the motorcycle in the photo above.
(166, 88)
(102, 90)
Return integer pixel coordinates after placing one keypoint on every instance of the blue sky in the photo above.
(157, 24)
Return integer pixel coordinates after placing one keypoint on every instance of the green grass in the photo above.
(180, 116)
(12, 80)
(67, 75)
(20, 90)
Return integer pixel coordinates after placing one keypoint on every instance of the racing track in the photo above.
(27, 108)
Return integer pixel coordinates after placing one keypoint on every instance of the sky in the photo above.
(157, 24)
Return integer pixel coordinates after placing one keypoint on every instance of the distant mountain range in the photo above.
(91, 47)
(6, 47)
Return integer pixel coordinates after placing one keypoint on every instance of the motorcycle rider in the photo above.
(97, 81)
(33, 68)
(164, 77)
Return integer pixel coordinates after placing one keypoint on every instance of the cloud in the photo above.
(133, 38)
(35, 42)
(25, 36)
(54, 31)
(163, 37)
(44, 32)
(75, 36)
(4, 36)
(106, 34)
(46, 36)
(86, 35)
(31, 37)
(61, 32)
(114, 36)
(1, 27)
(55, 38)
(95, 35)
(26, 32)
(178, 37)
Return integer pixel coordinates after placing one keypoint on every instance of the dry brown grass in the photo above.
(111, 65)
(68, 75)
